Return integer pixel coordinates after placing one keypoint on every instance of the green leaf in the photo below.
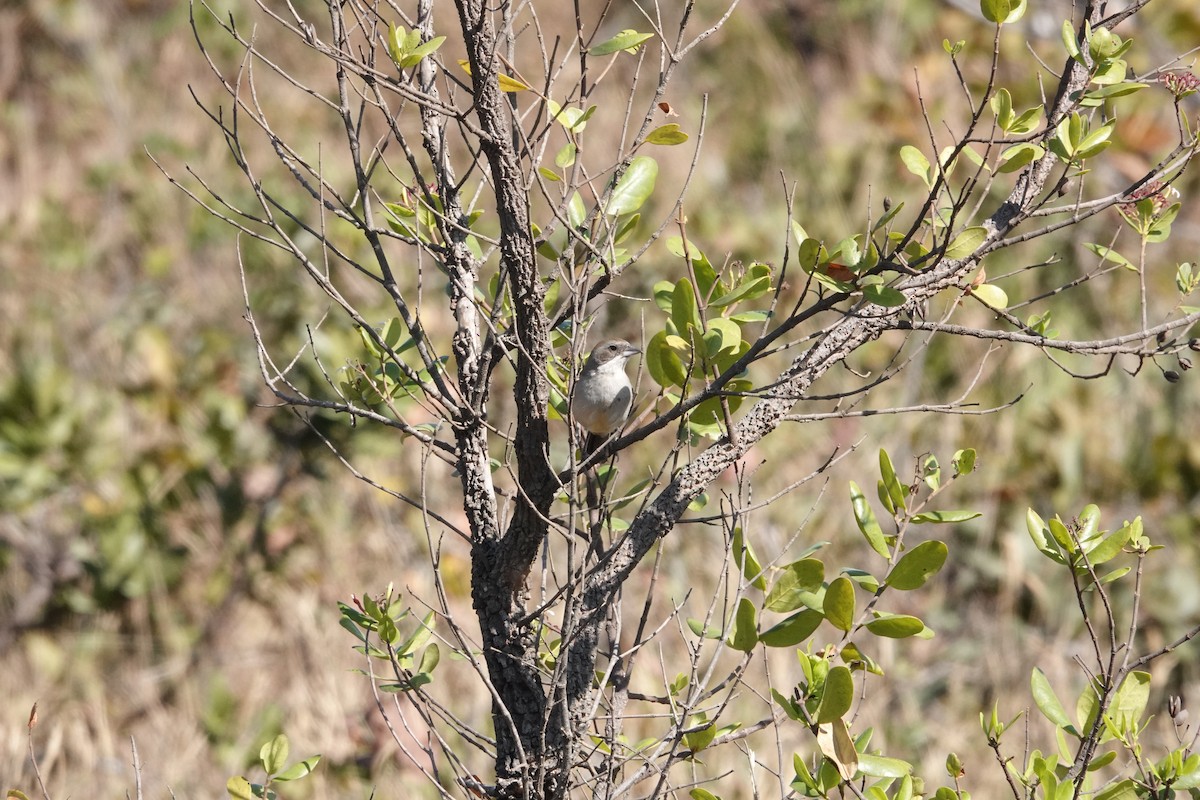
(1061, 535)
(805, 575)
(1027, 121)
(946, 516)
(628, 40)
(837, 696)
(1048, 703)
(576, 212)
(702, 794)
(1087, 707)
(1097, 96)
(697, 626)
(1037, 532)
(634, 187)
(430, 659)
(663, 362)
(967, 242)
(701, 738)
(415, 56)
(917, 163)
(722, 336)
(1069, 41)
(274, 753)
(745, 627)
(1161, 229)
(896, 491)
(884, 296)
(565, 158)
(916, 566)
(1129, 702)
(1121, 790)
(882, 767)
(754, 284)
(931, 472)
(1109, 547)
(1096, 141)
(418, 637)
(793, 630)
(895, 626)
(839, 603)
(862, 578)
(684, 311)
(1108, 254)
(964, 461)
(1002, 107)
(1019, 156)
(570, 117)
(299, 769)
(668, 134)
(1001, 11)
(747, 561)
(864, 516)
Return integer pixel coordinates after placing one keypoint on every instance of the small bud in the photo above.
(954, 766)
(1172, 376)
(1194, 344)
(1174, 705)
(1185, 363)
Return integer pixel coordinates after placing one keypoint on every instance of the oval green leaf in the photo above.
(915, 567)
(837, 697)
(1048, 703)
(883, 767)
(747, 561)
(745, 630)
(625, 40)
(274, 753)
(805, 575)
(896, 626)
(967, 242)
(884, 296)
(634, 187)
(793, 630)
(839, 603)
(864, 516)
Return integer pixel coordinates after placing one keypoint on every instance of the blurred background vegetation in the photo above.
(172, 545)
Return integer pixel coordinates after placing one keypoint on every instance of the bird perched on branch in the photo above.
(603, 394)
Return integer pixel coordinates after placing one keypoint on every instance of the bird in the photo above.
(603, 394)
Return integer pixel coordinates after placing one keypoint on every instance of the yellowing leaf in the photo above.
(507, 83)
(991, 295)
(668, 134)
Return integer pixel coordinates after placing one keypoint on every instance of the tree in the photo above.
(476, 192)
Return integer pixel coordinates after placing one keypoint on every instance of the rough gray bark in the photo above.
(533, 758)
